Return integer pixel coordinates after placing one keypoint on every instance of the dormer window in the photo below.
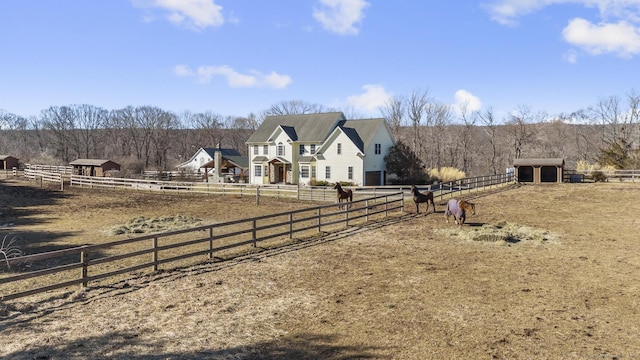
(339, 149)
(280, 151)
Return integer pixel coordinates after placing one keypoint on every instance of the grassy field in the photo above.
(541, 272)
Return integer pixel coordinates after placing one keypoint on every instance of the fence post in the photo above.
(155, 253)
(211, 242)
(83, 259)
(319, 221)
(366, 210)
(386, 205)
(402, 200)
(253, 234)
(290, 225)
(257, 195)
(346, 214)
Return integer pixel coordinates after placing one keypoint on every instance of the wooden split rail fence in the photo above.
(90, 263)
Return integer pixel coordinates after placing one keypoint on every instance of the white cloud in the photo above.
(616, 31)
(465, 99)
(256, 79)
(341, 16)
(570, 56)
(374, 97)
(194, 14)
(620, 38)
(507, 12)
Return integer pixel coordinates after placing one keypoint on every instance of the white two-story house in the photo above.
(300, 149)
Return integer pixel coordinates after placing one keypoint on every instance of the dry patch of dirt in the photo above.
(141, 224)
(503, 233)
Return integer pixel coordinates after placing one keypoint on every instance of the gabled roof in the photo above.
(90, 162)
(225, 152)
(366, 129)
(237, 161)
(361, 132)
(4, 157)
(539, 162)
(308, 127)
(211, 151)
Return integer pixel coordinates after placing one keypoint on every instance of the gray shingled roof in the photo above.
(539, 162)
(366, 129)
(224, 152)
(89, 162)
(308, 127)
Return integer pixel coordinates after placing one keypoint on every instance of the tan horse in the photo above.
(458, 209)
(419, 198)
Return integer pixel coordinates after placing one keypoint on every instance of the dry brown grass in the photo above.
(554, 276)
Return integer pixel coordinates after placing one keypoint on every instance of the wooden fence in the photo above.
(312, 193)
(617, 175)
(90, 263)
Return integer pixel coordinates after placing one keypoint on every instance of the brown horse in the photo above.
(419, 198)
(343, 195)
(458, 209)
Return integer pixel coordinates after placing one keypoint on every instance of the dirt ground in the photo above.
(540, 272)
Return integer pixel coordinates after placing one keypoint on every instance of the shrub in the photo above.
(598, 176)
(446, 174)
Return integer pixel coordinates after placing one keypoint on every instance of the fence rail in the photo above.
(151, 251)
(620, 175)
(311, 193)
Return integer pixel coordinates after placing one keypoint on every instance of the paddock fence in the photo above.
(89, 264)
(610, 175)
(441, 190)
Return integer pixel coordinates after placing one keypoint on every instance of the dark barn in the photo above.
(8, 162)
(93, 167)
(539, 171)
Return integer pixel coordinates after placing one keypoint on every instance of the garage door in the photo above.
(372, 178)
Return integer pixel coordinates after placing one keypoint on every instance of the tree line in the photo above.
(438, 134)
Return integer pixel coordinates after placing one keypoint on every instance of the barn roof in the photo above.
(539, 162)
(4, 157)
(90, 162)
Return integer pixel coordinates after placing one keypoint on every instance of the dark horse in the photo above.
(343, 194)
(459, 208)
(419, 198)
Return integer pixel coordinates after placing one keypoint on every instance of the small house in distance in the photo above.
(8, 162)
(202, 162)
(93, 167)
(539, 171)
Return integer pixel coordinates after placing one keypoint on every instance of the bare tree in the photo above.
(394, 113)
(469, 119)
(59, 120)
(520, 131)
(416, 104)
(438, 116)
(491, 130)
(88, 120)
(294, 107)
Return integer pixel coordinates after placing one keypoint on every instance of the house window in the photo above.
(304, 171)
(327, 172)
(313, 172)
(302, 149)
(265, 149)
(255, 149)
(312, 149)
(350, 173)
(339, 149)
(378, 149)
(258, 170)
(280, 151)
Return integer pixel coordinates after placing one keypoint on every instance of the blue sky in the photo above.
(240, 57)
